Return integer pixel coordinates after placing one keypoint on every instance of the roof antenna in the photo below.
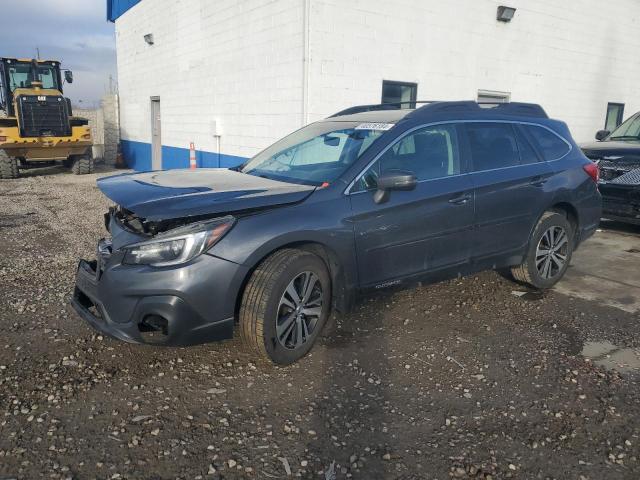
(38, 53)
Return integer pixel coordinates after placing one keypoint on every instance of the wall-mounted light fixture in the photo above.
(149, 38)
(505, 14)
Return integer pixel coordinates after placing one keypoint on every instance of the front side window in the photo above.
(2, 99)
(22, 74)
(47, 75)
(19, 76)
(551, 146)
(629, 130)
(429, 153)
(493, 145)
(315, 154)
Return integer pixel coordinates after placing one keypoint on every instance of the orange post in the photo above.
(192, 156)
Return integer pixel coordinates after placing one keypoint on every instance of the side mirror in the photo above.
(602, 134)
(394, 180)
(68, 76)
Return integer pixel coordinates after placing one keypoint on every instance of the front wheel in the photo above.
(8, 166)
(285, 305)
(549, 252)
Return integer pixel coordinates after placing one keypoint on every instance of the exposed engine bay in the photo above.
(140, 226)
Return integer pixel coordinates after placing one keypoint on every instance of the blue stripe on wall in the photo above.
(137, 155)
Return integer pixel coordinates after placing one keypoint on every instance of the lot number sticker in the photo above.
(375, 126)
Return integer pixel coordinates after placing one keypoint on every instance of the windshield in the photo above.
(22, 74)
(316, 154)
(628, 130)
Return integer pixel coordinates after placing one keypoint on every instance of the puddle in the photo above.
(612, 357)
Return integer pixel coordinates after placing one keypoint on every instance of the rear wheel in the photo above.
(285, 305)
(81, 164)
(8, 166)
(549, 253)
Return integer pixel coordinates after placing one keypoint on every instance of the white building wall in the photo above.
(572, 57)
(241, 63)
(236, 63)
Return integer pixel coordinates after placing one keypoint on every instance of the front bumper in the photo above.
(621, 202)
(177, 306)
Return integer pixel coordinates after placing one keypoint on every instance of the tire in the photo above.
(267, 308)
(82, 164)
(8, 166)
(543, 270)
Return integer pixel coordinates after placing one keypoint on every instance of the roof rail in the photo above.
(518, 109)
(378, 106)
(444, 107)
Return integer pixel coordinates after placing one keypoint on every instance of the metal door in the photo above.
(156, 139)
(425, 230)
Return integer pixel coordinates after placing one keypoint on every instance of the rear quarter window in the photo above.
(549, 144)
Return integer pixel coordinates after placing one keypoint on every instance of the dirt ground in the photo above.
(462, 379)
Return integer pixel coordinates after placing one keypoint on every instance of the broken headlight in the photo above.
(179, 245)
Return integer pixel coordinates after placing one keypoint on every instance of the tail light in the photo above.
(86, 136)
(593, 171)
(3, 139)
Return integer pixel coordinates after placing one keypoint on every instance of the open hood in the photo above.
(172, 194)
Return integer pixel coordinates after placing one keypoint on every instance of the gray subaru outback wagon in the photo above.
(370, 198)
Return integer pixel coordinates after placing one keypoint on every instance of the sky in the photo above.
(75, 32)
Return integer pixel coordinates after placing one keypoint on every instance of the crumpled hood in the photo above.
(170, 194)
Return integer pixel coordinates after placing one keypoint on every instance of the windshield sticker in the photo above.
(375, 126)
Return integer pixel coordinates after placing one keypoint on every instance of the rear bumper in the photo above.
(158, 306)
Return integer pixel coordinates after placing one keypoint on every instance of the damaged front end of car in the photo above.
(620, 188)
(156, 278)
(143, 280)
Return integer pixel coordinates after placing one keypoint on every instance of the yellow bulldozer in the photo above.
(37, 126)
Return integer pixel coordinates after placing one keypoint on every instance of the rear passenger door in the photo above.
(509, 179)
(425, 229)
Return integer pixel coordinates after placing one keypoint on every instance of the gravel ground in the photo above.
(460, 379)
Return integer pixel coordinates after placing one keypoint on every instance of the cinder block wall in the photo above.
(97, 129)
(259, 69)
(104, 128)
(235, 63)
(111, 126)
(571, 57)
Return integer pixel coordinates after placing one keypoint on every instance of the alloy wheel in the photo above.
(552, 252)
(299, 310)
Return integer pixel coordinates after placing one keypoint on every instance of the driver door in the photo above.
(423, 230)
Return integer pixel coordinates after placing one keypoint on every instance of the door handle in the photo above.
(538, 181)
(461, 200)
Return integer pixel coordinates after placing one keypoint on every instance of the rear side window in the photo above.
(493, 145)
(550, 145)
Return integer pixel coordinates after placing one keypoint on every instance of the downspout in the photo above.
(306, 12)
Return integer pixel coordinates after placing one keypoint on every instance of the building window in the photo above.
(615, 111)
(402, 93)
(491, 96)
